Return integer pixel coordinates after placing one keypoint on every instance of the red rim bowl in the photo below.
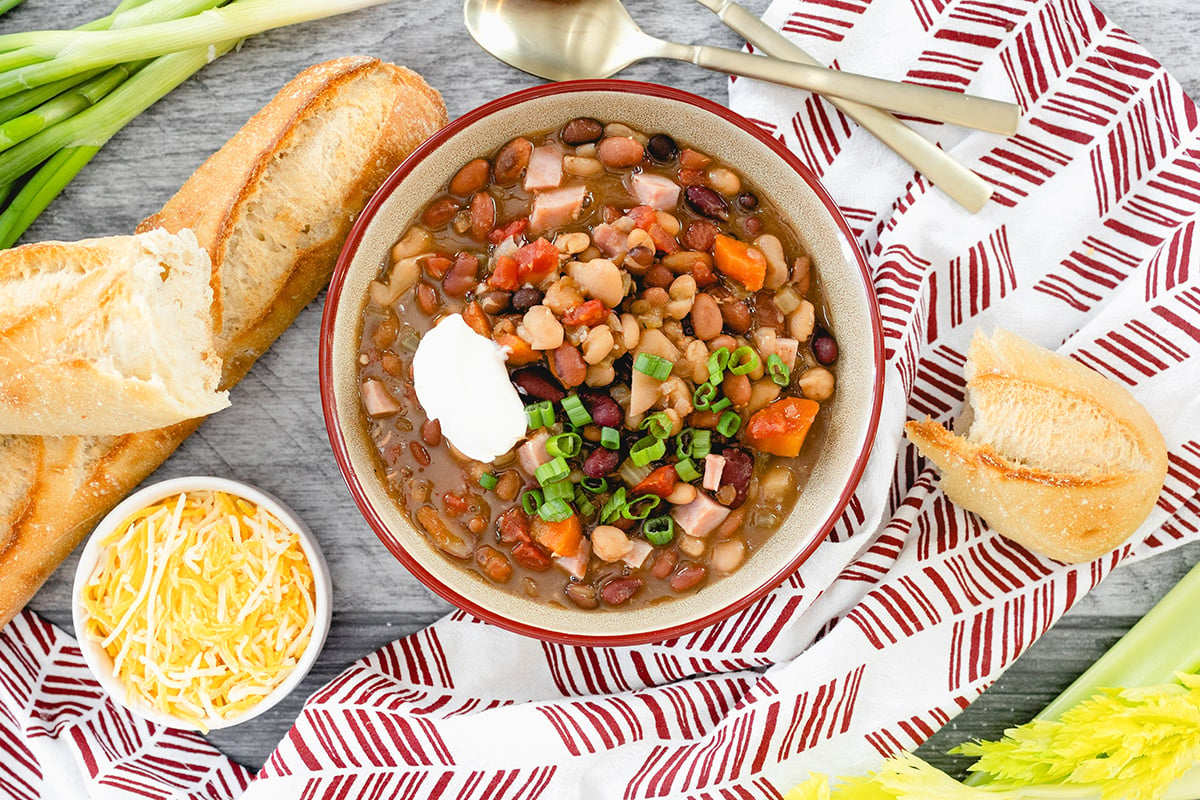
(731, 138)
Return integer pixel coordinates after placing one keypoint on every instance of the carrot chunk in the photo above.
(519, 351)
(740, 261)
(562, 538)
(660, 482)
(780, 428)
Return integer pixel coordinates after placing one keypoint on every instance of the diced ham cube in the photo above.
(713, 467)
(545, 168)
(700, 517)
(637, 555)
(656, 191)
(553, 208)
(611, 241)
(577, 564)
(533, 453)
(376, 400)
(787, 349)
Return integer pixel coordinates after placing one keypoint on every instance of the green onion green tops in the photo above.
(656, 367)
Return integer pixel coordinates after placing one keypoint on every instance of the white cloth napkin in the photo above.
(912, 607)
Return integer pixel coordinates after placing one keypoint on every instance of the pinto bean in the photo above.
(706, 317)
(494, 302)
(440, 534)
(385, 332)
(619, 590)
(483, 215)
(659, 276)
(801, 274)
(766, 313)
(664, 563)
(538, 383)
(431, 432)
(687, 576)
(568, 365)
(471, 178)
(737, 389)
(492, 563)
(462, 276)
(618, 152)
(427, 298)
(582, 595)
(582, 130)
(736, 315)
(508, 486)
(439, 213)
(511, 161)
(419, 453)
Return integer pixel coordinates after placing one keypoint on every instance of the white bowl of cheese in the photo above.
(201, 602)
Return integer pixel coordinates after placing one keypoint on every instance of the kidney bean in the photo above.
(526, 298)
(824, 347)
(737, 389)
(662, 148)
(766, 313)
(706, 317)
(493, 563)
(509, 486)
(531, 556)
(706, 202)
(619, 590)
(463, 276)
(664, 562)
(687, 576)
(431, 432)
(513, 525)
(700, 235)
(568, 365)
(752, 226)
(738, 470)
(748, 200)
(511, 161)
(471, 178)
(601, 462)
(582, 595)
(439, 213)
(605, 411)
(476, 319)
(419, 453)
(582, 130)
(736, 315)
(494, 302)
(483, 215)
(659, 276)
(427, 298)
(440, 534)
(538, 383)
(618, 152)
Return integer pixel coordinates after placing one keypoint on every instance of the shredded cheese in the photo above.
(204, 601)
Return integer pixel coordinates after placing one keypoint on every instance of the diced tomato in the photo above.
(780, 428)
(519, 350)
(438, 266)
(660, 482)
(589, 313)
(561, 538)
(663, 241)
(504, 274)
(643, 216)
(514, 228)
(455, 504)
(536, 261)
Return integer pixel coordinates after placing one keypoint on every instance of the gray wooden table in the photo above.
(274, 436)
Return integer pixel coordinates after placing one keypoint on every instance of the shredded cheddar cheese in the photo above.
(204, 601)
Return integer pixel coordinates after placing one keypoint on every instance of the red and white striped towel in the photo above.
(912, 607)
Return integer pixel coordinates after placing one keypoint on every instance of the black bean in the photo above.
(526, 298)
(662, 148)
(582, 130)
(601, 462)
(705, 201)
(605, 411)
(824, 347)
(538, 383)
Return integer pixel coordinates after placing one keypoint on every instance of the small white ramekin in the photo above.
(99, 661)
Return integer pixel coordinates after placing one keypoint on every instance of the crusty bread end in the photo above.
(1052, 455)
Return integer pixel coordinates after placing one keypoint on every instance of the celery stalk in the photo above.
(70, 52)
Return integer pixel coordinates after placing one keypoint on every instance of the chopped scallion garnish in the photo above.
(704, 395)
(701, 443)
(566, 445)
(659, 530)
(595, 485)
(656, 367)
(647, 449)
(778, 370)
(610, 438)
(658, 424)
(641, 507)
(720, 405)
(555, 510)
(556, 469)
(613, 505)
(743, 360)
(531, 500)
(729, 424)
(686, 470)
(578, 415)
(559, 490)
(718, 361)
(488, 481)
(540, 414)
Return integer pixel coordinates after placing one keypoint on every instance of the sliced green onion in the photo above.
(641, 507)
(488, 481)
(743, 360)
(683, 443)
(559, 490)
(659, 530)
(656, 367)
(718, 361)
(539, 415)
(647, 449)
(613, 505)
(578, 415)
(778, 370)
(701, 443)
(566, 445)
(556, 469)
(686, 470)
(555, 510)
(531, 500)
(659, 425)
(595, 485)
(720, 405)
(584, 503)
(729, 424)
(610, 438)
(704, 395)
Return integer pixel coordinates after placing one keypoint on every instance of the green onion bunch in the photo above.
(63, 94)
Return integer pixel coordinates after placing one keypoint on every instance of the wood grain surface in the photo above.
(274, 435)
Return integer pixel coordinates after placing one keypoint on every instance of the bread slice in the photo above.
(67, 483)
(106, 336)
(1053, 455)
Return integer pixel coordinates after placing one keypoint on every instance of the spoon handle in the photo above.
(959, 183)
(936, 104)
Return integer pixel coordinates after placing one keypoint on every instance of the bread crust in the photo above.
(76, 480)
(1070, 514)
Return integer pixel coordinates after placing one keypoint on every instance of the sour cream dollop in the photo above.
(462, 382)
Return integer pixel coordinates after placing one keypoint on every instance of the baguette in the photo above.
(106, 336)
(272, 208)
(1054, 455)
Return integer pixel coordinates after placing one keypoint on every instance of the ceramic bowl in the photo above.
(99, 661)
(731, 139)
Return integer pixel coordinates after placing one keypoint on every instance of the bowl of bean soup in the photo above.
(601, 362)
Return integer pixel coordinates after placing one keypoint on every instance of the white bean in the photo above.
(598, 344)
(682, 494)
(541, 329)
(610, 542)
(727, 556)
(816, 384)
(801, 321)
